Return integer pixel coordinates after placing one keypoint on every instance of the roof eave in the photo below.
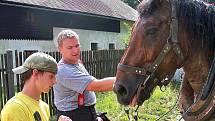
(11, 3)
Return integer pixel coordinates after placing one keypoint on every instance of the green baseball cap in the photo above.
(40, 61)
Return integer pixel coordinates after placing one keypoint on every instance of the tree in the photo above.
(125, 37)
(132, 3)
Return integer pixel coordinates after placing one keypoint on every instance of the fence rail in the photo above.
(101, 63)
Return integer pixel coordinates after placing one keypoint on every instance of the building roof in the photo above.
(108, 8)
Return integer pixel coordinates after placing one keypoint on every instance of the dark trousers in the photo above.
(84, 113)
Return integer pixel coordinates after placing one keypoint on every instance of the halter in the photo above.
(172, 44)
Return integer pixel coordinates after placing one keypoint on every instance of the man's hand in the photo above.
(64, 118)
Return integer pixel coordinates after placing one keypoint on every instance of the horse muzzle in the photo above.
(121, 93)
(126, 88)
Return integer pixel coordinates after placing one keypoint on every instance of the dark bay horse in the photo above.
(171, 34)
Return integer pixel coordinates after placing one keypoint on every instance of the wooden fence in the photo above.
(101, 63)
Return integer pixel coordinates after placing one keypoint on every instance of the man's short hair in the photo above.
(39, 61)
(65, 34)
(27, 75)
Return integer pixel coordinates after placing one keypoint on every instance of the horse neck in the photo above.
(197, 46)
(196, 28)
(197, 67)
(196, 58)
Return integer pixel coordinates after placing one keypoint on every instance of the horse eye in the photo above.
(151, 31)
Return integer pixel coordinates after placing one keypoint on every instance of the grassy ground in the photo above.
(152, 109)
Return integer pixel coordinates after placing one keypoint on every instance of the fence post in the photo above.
(10, 75)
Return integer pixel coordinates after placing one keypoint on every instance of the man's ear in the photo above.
(35, 72)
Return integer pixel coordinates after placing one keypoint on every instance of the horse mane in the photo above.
(146, 7)
(198, 18)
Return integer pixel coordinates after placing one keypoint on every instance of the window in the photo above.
(111, 46)
(94, 46)
(30, 17)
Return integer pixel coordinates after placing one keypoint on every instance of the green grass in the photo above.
(159, 103)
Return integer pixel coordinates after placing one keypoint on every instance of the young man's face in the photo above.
(70, 50)
(45, 81)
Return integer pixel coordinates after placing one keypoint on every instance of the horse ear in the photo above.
(156, 2)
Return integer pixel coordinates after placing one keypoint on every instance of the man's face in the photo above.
(45, 81)
(70, 50)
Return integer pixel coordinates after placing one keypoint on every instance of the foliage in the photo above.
(53, 118)
(132, 3)
(125, 38)
(211, 1)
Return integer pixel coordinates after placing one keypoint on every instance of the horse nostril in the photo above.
(121, 90)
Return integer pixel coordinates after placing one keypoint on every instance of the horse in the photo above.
(171, 34)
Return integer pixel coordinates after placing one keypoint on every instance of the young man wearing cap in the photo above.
(74, 93)
(38, 74)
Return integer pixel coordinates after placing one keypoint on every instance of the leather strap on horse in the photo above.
(209, 85)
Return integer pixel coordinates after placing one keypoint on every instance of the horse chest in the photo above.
(196, 76)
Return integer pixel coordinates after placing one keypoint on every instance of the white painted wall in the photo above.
(86, 37)
(102, 38)
(20, 45)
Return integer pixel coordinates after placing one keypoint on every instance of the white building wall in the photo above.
(20, 45)
(86, 38)
(102, 38)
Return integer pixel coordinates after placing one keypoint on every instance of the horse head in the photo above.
(167, 35)
(152, 48)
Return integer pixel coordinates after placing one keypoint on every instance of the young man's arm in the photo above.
(105, 84)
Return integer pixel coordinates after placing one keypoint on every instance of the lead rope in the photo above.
(126, 109)
(134, 113)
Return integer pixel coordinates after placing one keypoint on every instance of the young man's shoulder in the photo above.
(20, 108)
(68, 68)
(14, 103)
(13, 109)
(44, 104)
